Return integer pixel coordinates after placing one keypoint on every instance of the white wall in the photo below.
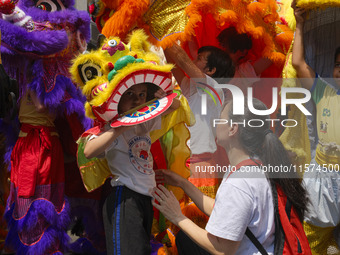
(81, 4)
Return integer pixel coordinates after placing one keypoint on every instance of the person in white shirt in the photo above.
(195, 78)
(244, 198)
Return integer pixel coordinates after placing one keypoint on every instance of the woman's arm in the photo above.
(303, 70)
(182, 60)
(183, 65)
(170, 207)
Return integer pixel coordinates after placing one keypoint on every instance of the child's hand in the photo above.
(299, 13)
(160, 93)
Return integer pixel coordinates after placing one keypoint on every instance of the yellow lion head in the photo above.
(105, 74)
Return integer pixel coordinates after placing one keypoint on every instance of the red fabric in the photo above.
(206, 33)
(37, 159)
(158, 156)
(292, 228)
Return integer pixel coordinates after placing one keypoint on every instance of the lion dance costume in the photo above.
(322, 220)
(39, 38)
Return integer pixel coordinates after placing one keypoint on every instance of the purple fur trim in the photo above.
(52, 238)
(79, 19)
(76, 106)
(38, 209)
(45, 209)
(41, 42)
(30, 3)
(84, 246)
(53, 99)
(84, 25)
(55, 235)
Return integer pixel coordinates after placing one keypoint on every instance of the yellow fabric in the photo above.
(95, 174)
(313, 4)
(95, 171)
(295, 139)
(175, 20)
(174, 141)
(328, 120)
(327, 161)
(321, 240)
(307, 4)
(210, 190)
(28, 114)
(182, 114)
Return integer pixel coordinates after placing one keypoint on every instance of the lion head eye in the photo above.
(112, 43)
(89, 71)
(49, 5)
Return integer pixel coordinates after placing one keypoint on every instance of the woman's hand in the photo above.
(299, 13)
(168, 204)
(169, 177)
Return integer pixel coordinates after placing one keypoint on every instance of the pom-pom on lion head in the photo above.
(105, 74)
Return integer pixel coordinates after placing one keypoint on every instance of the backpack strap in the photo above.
(256, 242)
(251, 236)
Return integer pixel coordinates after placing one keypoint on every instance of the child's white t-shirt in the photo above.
(130, 160)
(202, 133)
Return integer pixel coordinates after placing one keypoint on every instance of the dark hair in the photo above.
(337, 52)
(260, 142)
(220, 60)
(231, 39)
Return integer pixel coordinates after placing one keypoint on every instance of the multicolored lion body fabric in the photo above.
(39, 38)
(104, 75)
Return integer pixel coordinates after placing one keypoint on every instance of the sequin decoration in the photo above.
(166, 18)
